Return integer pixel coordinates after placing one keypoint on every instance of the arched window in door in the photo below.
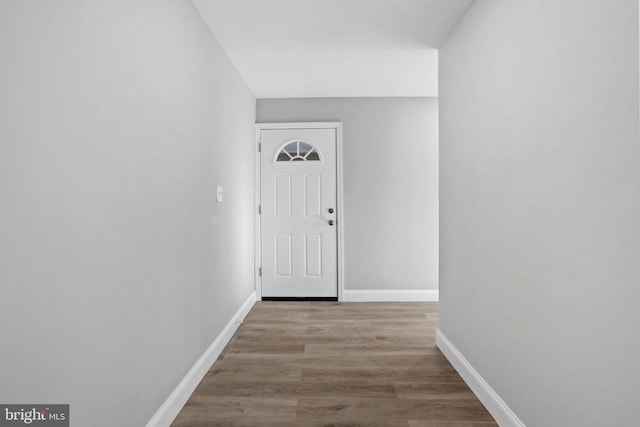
(298, 151)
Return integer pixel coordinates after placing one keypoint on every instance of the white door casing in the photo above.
(299, 210)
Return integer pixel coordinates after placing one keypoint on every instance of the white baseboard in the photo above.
(176, 400)
(405, 295)
(503, 415)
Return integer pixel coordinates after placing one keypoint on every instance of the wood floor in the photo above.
(334, 364)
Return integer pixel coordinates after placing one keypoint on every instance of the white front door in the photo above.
(298, 212)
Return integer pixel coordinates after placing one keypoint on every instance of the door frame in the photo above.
(339, 199)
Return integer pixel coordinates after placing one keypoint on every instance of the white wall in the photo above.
(117, 267)
(540, 203)
(390, 185)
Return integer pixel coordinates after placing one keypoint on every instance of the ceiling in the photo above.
(334, 48)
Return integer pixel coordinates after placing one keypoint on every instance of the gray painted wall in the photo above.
(117, 267)
(390, 159)
(540, 202)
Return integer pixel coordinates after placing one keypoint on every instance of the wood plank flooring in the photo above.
(334, 364)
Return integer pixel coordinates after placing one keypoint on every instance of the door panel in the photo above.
(313, 255)
(283, 196)
(312, 195)
(283, 255)
(298, 200)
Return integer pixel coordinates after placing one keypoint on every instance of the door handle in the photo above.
(331, 222)
(330, 210)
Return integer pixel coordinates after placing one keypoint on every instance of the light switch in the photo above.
(219, 194)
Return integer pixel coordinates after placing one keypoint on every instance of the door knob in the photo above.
(330, 210)
(331, 222)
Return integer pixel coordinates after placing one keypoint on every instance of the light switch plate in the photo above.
(219, 194)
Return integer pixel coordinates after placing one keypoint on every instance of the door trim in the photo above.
(339, 195)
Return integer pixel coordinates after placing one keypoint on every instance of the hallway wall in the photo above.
(390, 154)
(540, 202)
(117, 266)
